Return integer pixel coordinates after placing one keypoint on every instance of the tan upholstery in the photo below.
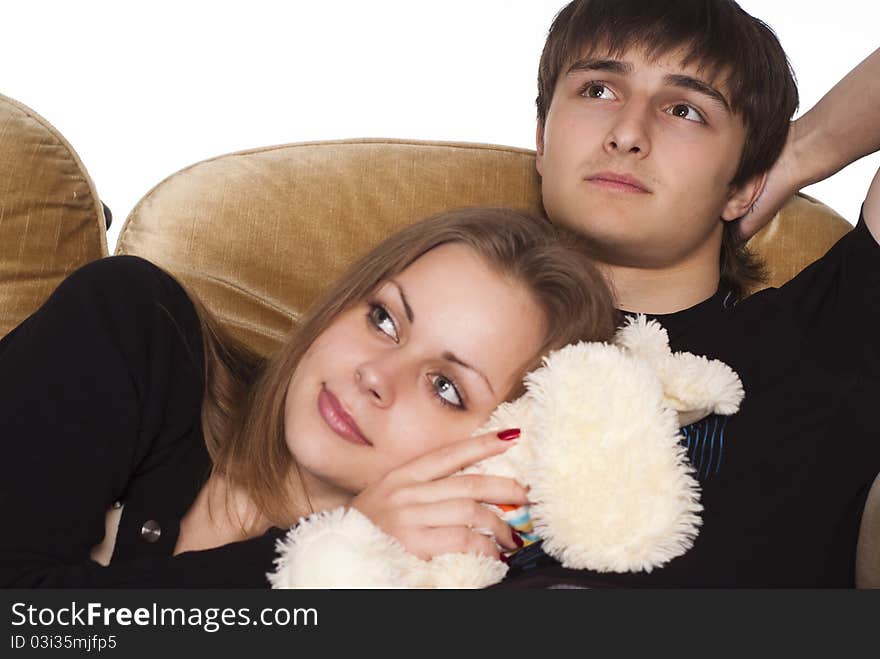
(51, 220)
(868, 550)
(799, 234)
(258, 234)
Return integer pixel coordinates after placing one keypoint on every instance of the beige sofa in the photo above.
(258, 234)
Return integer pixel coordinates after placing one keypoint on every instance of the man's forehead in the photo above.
(680, 58)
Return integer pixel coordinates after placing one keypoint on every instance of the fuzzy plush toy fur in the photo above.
(611, 486)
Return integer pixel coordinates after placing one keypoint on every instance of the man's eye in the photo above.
(597, 90)
(382, 320)
(685, 111)
(446, 391)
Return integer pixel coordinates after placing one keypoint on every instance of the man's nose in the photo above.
(629, 134)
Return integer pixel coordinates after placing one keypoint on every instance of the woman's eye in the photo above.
(382, 320)
(685, 111)
(597, 90)
(446, 391)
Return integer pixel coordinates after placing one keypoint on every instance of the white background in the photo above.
(144, 89)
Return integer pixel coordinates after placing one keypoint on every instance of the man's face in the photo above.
(639, 156)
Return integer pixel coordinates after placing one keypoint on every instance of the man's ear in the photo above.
(743, 196)
(539, 147)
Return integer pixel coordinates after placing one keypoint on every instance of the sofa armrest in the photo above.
(868, 549)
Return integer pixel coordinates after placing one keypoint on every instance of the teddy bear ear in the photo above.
(644, 338)
(692, 385)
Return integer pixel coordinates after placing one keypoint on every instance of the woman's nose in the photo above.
(375, 381)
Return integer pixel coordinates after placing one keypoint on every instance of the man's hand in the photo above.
(841, 128)
(783, 180)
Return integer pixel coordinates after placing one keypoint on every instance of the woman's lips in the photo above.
(338, 419)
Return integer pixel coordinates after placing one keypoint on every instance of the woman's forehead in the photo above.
(460, 303)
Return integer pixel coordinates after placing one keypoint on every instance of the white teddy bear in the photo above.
(611, 486)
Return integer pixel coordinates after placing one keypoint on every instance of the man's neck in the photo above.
(663, 290)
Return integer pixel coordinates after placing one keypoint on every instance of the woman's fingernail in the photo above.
(517, 540)
(503, 558)
(507, 435)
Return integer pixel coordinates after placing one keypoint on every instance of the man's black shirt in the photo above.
(784, 480)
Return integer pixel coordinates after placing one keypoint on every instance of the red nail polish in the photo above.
(517, 540)
(503, 558)
(507, 435)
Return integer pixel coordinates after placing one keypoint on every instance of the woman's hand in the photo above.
(432, 512)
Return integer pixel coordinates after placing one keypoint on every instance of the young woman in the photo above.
(122, 393)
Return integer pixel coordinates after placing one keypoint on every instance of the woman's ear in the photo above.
(742, 197)
(539, 147)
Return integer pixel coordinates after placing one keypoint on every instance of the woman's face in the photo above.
(419, 365)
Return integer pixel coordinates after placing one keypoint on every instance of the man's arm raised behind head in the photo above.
(841, 128)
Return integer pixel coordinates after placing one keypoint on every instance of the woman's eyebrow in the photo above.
(448, 356)
(406, 308)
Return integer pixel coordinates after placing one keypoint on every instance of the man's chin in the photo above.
(606, 231)
(612, 247)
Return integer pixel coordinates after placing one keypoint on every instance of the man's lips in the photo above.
(338, 419)
(620, 182)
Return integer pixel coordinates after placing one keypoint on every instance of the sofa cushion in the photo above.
(51, 220)
(259, 234)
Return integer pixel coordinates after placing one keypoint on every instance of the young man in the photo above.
(658, 125)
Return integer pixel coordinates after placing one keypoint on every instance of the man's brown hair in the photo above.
(726, 44)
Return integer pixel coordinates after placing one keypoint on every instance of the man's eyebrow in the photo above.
(601, 64)
(696, 85)
(408, 309)
(448, 356)
(673, 79)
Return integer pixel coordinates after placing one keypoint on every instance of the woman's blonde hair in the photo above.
(242, 412)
